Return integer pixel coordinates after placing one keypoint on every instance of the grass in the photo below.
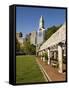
(27, 70)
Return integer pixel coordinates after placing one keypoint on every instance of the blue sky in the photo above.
(27, 18)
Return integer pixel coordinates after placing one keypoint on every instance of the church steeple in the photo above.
(41, 23)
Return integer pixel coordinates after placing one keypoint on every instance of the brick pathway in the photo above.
(52, 72)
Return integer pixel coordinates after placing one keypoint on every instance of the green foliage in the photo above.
(28, 48)
(33, 49)
(45, 55)
(42, 55)
(50, 31)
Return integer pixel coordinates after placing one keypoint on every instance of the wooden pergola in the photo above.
(57, 42)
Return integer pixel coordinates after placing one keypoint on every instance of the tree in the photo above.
(33, 49)
(28, 48)
(17, 45)
(20, 34)
(50, 31)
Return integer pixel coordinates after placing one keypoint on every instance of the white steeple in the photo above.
(41, 23)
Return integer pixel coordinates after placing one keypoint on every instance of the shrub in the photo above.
(45, 55)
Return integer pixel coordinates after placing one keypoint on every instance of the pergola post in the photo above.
(60, 62)
(64, 51)
(54, 54)
(48, 55)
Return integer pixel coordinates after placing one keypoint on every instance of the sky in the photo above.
(27, 18)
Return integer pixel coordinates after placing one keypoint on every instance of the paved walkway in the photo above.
(51, 72)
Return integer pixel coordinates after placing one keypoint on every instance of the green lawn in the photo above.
(27, 70)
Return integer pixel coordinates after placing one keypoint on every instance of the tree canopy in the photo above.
(50, 31)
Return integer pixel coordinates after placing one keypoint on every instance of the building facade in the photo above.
(33, 36)
(20, 38)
